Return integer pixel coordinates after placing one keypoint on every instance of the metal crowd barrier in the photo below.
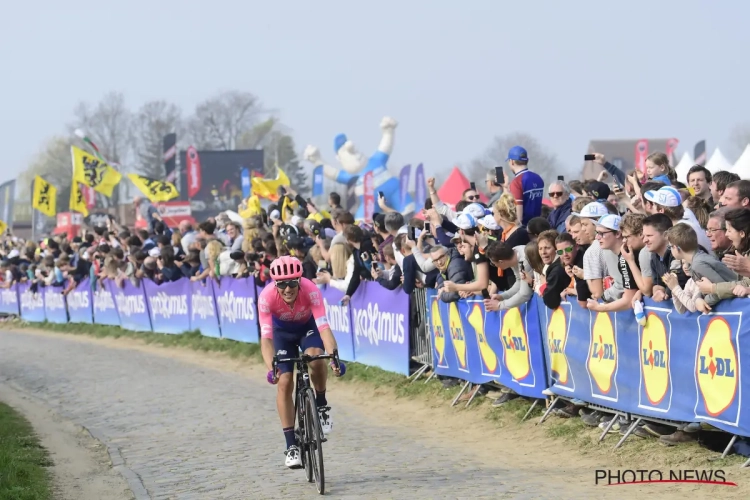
(420, 340)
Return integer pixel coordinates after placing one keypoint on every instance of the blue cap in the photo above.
(518, 153)
(339, 142)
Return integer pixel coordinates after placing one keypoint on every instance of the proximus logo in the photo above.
(128, 305)
(78, 300)
(30, 300)
(53, 300)
(103, 300)
(8, 297)
(338, 317)
(233, 308)
(167, 306)
(379, 326)
(203, 306)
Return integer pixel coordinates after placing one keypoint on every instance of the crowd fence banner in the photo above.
(80, 303)
(105, 311)
(380, 320)
(32, 303)
(340, 321)
(678, 367)
(168, 305)
(131, 305)
(684, 368)
(235, 303)
(55, 310)
(480, 346)
(203, 313)
(9, 300)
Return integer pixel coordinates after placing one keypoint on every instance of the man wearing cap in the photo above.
(610, 239)
(527, 187)
(467, 229)
(668, 201)
(597, 264)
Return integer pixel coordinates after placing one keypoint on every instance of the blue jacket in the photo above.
(559, 215)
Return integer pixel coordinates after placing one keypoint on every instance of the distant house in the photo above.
(620, 152)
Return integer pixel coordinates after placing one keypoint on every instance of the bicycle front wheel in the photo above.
(303, 436)
(315, 442)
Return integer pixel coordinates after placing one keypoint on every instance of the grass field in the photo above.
(571, 432)
(23, 462)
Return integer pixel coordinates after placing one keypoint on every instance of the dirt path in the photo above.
(82, 469)
(201, 425)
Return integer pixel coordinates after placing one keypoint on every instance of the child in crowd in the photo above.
(683, 242)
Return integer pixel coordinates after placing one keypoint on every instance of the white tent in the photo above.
(682, 168)
(718, 162)
(742, 166)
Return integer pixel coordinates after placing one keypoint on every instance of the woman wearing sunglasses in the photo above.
(293, 317)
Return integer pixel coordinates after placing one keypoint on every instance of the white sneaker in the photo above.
(326, 422)
(293, 459)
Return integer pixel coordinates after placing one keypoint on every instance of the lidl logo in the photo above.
(457, 335)
(602, 362)
(439, 332)
(515, 344)
(489, 358)
(557, 336)
(655, 359)
(717, 368)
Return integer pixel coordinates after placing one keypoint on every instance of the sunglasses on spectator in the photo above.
(472, 197)
(282, 285)
(565, 250)
(556, 194)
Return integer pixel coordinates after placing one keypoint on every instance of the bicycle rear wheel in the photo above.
(315, 433)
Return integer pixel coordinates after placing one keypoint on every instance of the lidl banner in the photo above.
(480, 346)
(340, 321)
(380, 318)
(678, 367)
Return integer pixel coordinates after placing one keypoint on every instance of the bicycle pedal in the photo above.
(324, 440)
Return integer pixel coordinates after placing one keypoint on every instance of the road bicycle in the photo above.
(309, 432)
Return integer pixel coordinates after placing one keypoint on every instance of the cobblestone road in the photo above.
(189, 432)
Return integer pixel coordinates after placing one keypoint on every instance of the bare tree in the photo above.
(109, 125)
(541, 161)
(260, 135)
(221, 121)
(153, 121)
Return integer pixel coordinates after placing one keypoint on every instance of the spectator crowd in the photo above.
(603, 244)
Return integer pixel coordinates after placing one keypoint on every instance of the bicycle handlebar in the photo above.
(306, 358)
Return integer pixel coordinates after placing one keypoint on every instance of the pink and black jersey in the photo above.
(272, 310)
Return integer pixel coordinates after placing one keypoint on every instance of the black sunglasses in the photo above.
(281, 285)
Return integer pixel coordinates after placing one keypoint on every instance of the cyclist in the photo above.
(292, 317)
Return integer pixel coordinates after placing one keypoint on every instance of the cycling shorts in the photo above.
(289, 338)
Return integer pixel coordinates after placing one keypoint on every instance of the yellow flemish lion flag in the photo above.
(93, 172)
(45, 197)
(77, 201)
(154, 190)
(266, 188)
(3, 227)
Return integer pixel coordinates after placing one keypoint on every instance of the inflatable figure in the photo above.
(355, 164)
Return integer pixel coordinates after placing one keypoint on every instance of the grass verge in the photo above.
(23, 461)
(572, 432)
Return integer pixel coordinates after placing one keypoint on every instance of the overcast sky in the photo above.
(453, 76)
